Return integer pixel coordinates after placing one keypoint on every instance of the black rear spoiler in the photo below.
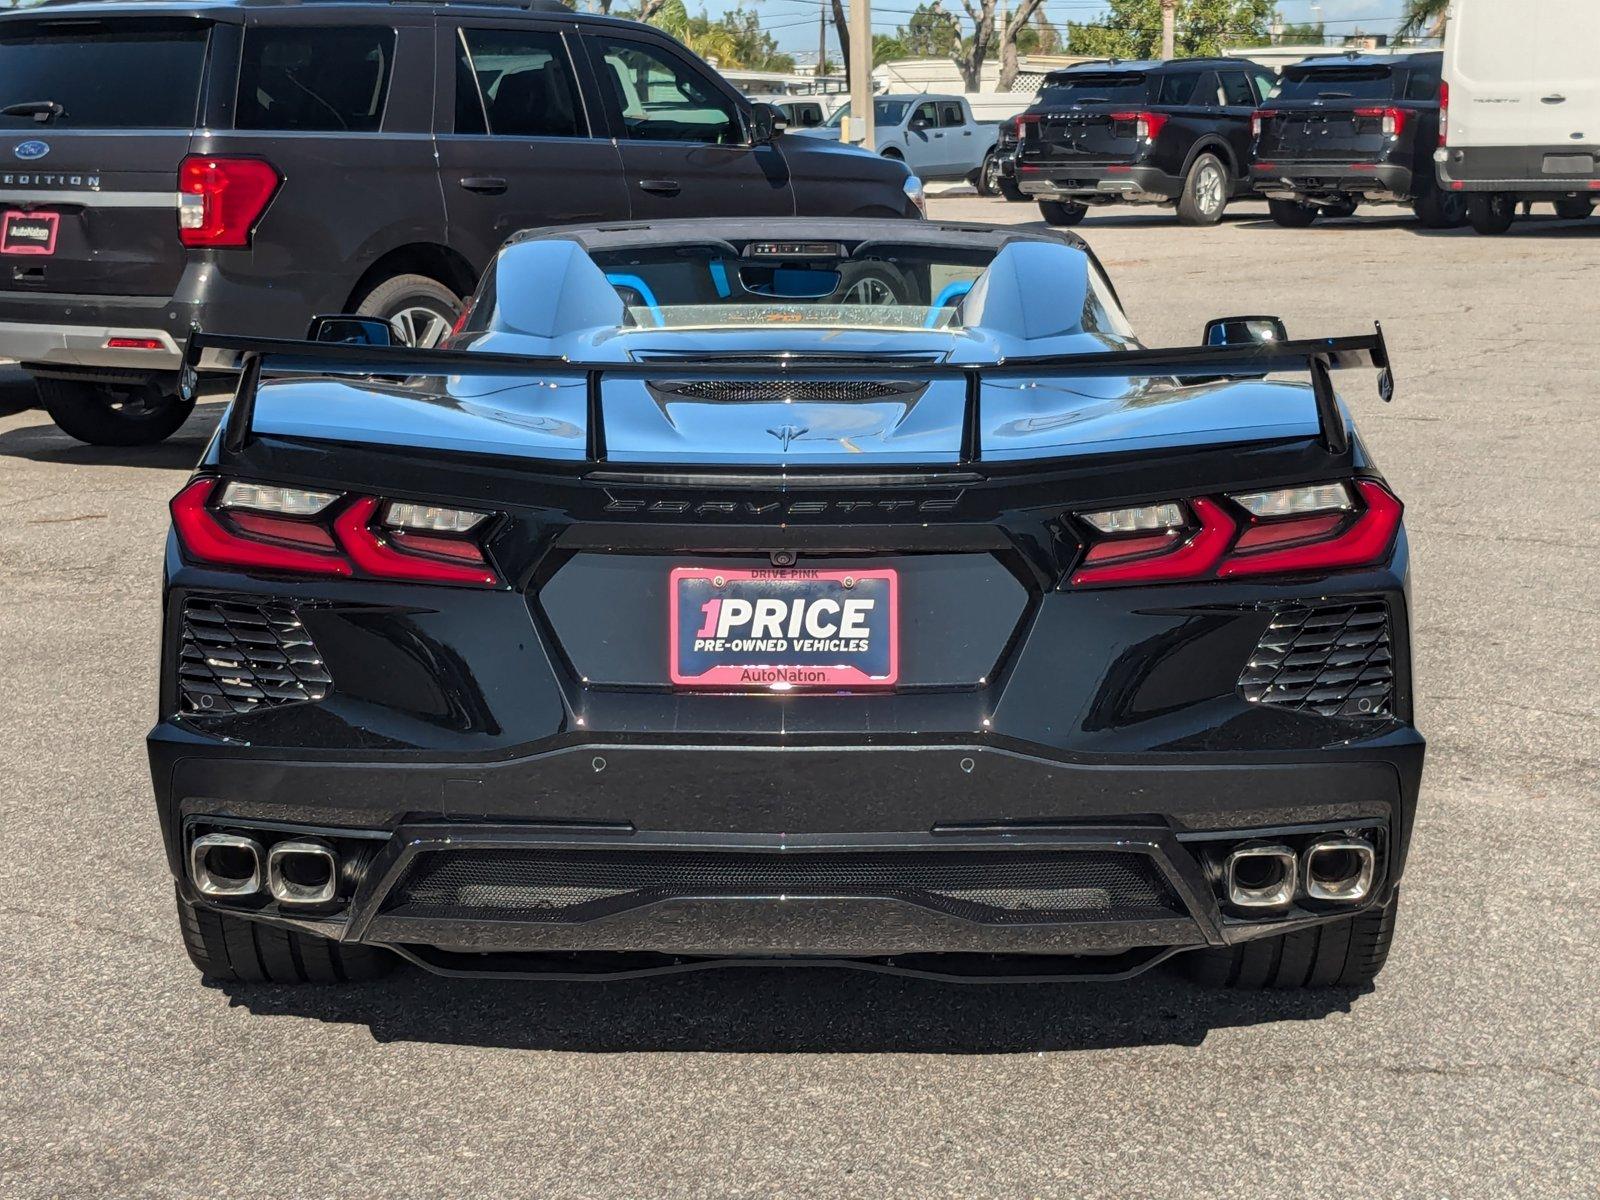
(1318, 356)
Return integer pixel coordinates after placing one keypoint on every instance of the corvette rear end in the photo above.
(799, 591)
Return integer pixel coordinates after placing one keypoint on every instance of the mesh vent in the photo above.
(993, 887)
(237, 658)
(1335, 660)
(758, 391)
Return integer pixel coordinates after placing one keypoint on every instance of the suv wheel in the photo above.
(231, 949)
(1205, 192)
(1009, 189)
(113, 414)
(1347, 953)
(1492, 213)
(419, 310)
(988, 181)
(1574, 208)
(1291, 214)
(1062, 212)
(1438, 209)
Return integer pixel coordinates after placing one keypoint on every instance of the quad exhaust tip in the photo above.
(225, 866)
(1340, 870)
(302, 871)
(1261, 877)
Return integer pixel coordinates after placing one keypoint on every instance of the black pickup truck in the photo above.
(1350, 129)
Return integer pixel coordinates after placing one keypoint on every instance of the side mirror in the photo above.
(351, 331)
(1245, 331)
(768, 121)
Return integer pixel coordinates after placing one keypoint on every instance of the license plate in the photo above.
(29, 232)
(784, 629)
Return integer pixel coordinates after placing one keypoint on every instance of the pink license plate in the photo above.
(29, 232)
(784, 629)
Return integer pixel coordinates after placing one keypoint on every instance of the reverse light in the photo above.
(287, 502)
(221, 199)
(428, 519)
(1292, 502)
(1393, 119)
(1147, 126)
(1137, 520)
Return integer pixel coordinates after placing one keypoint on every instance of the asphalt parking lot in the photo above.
(1473, 1068)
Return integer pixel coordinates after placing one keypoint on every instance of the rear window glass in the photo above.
(1122, 87)
(104, 76)
(1336, 83)
(326, 80)
(1423, 84)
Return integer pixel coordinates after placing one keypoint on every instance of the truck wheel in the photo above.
(1347, 953)
(1062, 212)
(231, 949)
(1574, 208)
(1291, 214)
(419, 310)
(1205, 192)
(988, 180)
(1492, 213)
(1438, 209)
(113, 414)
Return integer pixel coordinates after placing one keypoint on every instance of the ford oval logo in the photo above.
(31, 149)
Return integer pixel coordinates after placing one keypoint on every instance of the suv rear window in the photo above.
(1119, 87)
(1336, 83)
(323, 80)
(103, 75)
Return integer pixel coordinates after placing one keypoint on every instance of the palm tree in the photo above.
(1423, 17)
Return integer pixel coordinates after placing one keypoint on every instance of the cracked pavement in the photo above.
(1472, 1070)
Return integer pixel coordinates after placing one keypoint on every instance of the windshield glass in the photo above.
(122, 75)
(884, 112)
(1336, 83)
(1117, 87)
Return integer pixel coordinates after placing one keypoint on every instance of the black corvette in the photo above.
(799, 591)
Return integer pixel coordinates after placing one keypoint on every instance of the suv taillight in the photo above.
(221, 199)
(1393, 119)
(1259, 119)
(1147, 126)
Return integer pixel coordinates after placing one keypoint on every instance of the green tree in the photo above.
(755, 48)
(1132, 28)
(1307, 34)
(1423, 17)
(887, 47)
(930, 33)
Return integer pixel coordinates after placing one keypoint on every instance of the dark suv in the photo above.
(245, 165)
(1347, 129)
(1174, 132)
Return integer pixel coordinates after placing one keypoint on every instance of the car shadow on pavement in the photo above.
(43, 442)
(800, 1010)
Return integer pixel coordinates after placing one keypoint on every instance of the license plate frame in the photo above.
(50, 221)
(805, 662)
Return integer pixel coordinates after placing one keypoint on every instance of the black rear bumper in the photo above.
(1104, 183)
(1314, 178)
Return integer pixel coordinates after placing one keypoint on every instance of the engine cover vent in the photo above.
(238, 657)
(1335, 660)
(769, 391)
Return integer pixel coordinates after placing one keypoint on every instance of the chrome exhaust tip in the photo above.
(225, 866)
(1258, 877)
(1340, 870)
(302, 871)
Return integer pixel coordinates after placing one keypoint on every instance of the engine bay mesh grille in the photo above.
(1335, 660)
(994, 887)
(758, 391)
(236, 658)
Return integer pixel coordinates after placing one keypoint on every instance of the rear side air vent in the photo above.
(1335, 660)
(758, 391)
(238, 657)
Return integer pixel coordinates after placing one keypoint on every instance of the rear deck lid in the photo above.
(1332, 113)
(96, 113)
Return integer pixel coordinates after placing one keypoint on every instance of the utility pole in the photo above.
(822, 43)
(861, 124)
(1169, 28)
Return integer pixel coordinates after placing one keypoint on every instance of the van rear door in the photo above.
(96, 114)
(1489, 65)
(1566, 66)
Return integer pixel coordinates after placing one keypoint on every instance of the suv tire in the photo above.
(1205, 192)
(1010, 190)
(987, 181)
(233, 950)
(1438, 209)
(1492, 213)
(1574, 208)
(419, 310)
(1347, 953)
(107, 414)
(1062, 212)
(1291, 214)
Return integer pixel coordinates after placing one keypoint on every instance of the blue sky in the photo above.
(794, 22)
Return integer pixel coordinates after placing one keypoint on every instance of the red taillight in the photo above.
(1365, 540)
(267, 528)
(1393, 119)
(135, 343)
(1193, 556)
(1444, 113)
(1147, 126)
(221, 199)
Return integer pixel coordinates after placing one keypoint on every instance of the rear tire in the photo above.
(419, 310)
(233, 950)
(1574, 208)
(1062, 212)
(1010, 190)
(1291, 214)
(1347, 953)
(1492, 213)
(105, 414)
(988, 178)
(1205, 192)
(1438, 209)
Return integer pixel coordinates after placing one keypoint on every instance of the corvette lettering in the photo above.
(779, 507)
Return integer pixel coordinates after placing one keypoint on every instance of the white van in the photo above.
(1522, 116)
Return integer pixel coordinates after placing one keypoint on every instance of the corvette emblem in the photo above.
(789, 433)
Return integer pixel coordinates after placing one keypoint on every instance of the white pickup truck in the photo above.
(934, 135)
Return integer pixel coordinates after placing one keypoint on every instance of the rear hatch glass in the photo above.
(1326, 114)
(97, 113)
